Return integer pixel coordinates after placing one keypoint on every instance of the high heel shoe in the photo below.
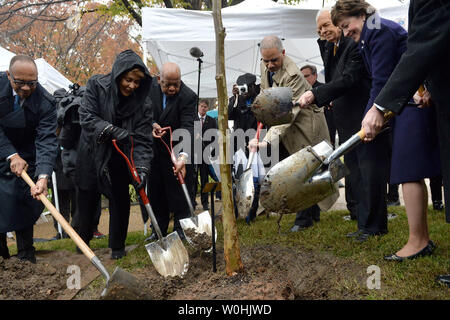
(426, 251)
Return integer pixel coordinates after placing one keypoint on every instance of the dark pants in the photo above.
(88, 203)
(353, 187)
(374, 165)
(68, 208)
(304, 218)
(436, 188)
(166, 195)
(331, 126)
(24, 240)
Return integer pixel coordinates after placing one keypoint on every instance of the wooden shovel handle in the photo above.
(387, 116)
(64, 224)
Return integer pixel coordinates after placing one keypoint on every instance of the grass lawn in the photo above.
(407, 280)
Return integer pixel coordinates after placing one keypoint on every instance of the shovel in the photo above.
(273, 106)
(197, 228)
(308, 176)
(121, 285)
(168, 254)
(245, 189)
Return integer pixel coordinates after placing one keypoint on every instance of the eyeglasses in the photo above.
(271, 60)
(169, 84)
(21, 83)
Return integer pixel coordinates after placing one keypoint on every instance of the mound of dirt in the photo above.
(271, 272)
(20, 280)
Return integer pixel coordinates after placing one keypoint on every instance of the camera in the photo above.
(243, 89)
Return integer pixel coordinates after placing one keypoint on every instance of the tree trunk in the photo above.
(231, 243)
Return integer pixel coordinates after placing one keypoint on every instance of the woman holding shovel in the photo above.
(115, 106)
(415, 153)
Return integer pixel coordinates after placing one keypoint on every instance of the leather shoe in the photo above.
(152, 238)
(354, 234)
(363, 237)
(426, 251)
(118, 254)
(437, 205)
(444, 279)
(297, 228)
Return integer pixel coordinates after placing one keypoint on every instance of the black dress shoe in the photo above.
(118, 254)
(428, 250)
(354, 234)
(363, 237)
(437, 205)
(444, 279)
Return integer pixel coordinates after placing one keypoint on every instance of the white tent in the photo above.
(50, 78)
(169, 34)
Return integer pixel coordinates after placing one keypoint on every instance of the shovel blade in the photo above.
(169, 255)
(124, 286)
(198, 230)
(273, 106)
(245, 192)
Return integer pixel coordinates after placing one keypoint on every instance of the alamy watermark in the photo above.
(374, 280)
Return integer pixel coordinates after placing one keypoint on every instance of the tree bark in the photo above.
(232, 253)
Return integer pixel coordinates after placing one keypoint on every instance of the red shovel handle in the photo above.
(258, 130)
(170, 150)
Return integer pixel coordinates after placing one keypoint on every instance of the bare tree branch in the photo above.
(133, 13)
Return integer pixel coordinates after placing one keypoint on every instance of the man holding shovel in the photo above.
(175, 106)
(27, 142)
(307, 127)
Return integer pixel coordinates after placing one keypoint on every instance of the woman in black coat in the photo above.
(114, 106)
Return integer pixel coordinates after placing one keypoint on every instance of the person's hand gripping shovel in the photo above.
(197, 228)
(168, 254)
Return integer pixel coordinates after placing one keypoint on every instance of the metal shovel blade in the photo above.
(287, 187)
(273, 106)
(169, 256)
(245, 191)
(198, 230)
(124, 286)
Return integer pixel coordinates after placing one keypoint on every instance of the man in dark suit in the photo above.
(347, 87)
(425, 61)
(174, 105)
(206, 122)
(27, 142)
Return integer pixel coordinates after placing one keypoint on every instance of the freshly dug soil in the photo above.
(271, 272)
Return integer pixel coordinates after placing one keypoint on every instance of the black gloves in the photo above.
(121, 135)
(112, 132)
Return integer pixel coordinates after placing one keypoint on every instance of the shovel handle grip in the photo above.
(387, 116)
(64, 224)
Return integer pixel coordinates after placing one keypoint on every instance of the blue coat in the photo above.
(31, 132)
(381, 49)
(415, 153)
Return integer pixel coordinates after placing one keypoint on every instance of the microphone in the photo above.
(196, 52)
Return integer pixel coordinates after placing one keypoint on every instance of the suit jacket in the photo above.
(180, 113)
(347, 85)
(308, 126)
(381, 49)
(29, 131)
(209, 123)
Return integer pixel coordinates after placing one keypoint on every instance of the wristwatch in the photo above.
(43, 176)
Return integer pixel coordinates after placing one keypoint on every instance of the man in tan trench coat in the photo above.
(308, 126)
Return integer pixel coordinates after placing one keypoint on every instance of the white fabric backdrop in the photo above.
(50, 78)
(169, 34)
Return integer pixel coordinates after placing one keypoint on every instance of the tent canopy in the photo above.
(50, 78)
(246, 24)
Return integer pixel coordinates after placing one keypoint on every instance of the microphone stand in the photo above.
(200, 61)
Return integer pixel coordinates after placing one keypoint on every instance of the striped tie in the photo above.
(335, 49)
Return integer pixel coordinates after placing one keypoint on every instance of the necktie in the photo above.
(203, 121)
(164, 101)
(270, 78)
(335, 49)
(16, 103)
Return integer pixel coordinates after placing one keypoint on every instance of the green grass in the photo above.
(407, 280)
